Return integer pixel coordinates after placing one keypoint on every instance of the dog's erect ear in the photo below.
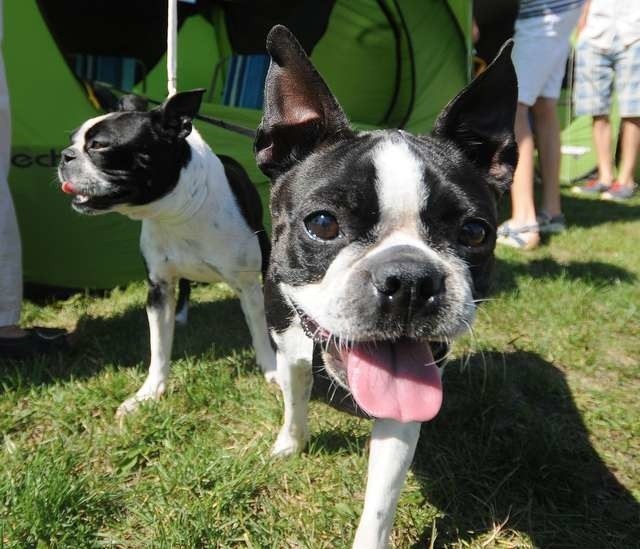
(480, 120)
(300, 112)
(132, 103)
(177, 112)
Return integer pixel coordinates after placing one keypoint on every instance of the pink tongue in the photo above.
(395, 380)
(67, 187)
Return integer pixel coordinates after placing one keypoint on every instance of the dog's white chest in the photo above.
(178, 256)
(199, 253)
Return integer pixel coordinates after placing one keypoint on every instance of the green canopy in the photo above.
(390, 63)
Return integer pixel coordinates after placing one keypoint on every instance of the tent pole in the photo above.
(172, 46)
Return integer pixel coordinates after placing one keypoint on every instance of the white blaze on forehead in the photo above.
(79, 137)
(399, 184)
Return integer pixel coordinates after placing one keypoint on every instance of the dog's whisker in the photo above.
(334, 386)
(475, 348)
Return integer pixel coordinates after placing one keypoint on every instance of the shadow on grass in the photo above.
(587, 212)
(509, 446)
(594, 273)
(336, 441)
(123, 341)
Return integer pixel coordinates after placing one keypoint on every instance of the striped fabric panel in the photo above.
(538, 8)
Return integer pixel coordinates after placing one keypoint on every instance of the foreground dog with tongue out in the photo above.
(382, 242)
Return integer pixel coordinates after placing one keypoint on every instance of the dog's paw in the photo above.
(130, 405)
(133, 403)
(287, 445)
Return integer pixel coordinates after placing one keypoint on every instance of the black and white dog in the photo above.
(382, 241)
(201, 218)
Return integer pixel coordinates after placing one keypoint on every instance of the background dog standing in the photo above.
(382, 241)
(201, 219)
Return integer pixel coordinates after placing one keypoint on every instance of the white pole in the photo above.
(172, 46)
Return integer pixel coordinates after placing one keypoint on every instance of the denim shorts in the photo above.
(599, 72)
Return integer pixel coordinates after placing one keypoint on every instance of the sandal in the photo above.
(512, 237)
(37, 341)
(548, 223)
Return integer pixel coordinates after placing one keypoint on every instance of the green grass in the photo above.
(537, 444)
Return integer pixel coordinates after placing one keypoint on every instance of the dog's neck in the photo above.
(184, 202)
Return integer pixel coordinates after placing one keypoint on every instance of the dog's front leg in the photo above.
(392, 447)
(161, 304)
(249, 290)
(293, 358)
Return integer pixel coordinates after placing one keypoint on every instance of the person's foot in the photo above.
(619, 191)
(523, 237)
(548, 223)
(23, 343)
(13, 330)
(592, 187)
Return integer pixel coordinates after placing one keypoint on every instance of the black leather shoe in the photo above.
(37, 341)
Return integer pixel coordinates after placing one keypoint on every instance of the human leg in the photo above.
(592, 96)
(547, 132)
(523, 208)
(629, 150)
(15, 342)
(531, 77)
(547, 124)
(627, 82)
(10, 251)
(539, 55)
(624, 187)
(521, 230)
(602, 136)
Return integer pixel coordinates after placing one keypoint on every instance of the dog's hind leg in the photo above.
(161, 314)
(252, 303)
(391, 453)
(182, 307)
(295, 352)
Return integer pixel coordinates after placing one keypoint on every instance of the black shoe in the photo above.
(37, 341)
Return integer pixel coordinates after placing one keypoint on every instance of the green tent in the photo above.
(389, 62)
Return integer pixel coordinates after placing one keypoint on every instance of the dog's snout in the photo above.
(404, 281)
(68, 155)
(407, 280)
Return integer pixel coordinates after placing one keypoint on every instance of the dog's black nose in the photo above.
(68, 154)
(405, 282)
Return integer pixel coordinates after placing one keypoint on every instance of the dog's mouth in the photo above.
(84, 201)
(393, 379)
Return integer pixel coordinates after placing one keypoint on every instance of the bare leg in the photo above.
(523, 211)
(629, 153)
(392, 447)
(547, 131)
(602, 142)
(294, 355)
(161, 314)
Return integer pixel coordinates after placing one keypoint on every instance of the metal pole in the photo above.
(172, 46)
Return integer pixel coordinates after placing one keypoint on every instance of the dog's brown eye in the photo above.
(95, 144)
(473, 233)
(322, 226)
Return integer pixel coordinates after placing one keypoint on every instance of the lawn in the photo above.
(537, 444)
